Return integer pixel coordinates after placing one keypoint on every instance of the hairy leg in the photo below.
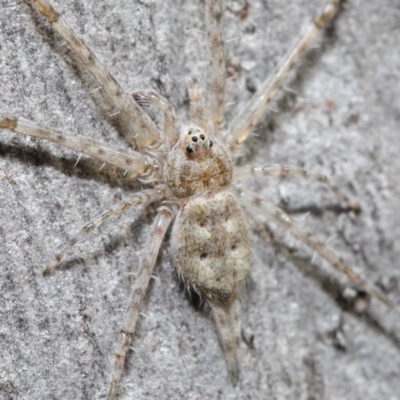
(272, 212)
(146, 99)
(156, 236)
(139, 130)
(288, 170)
(244, 123)
(135, 164)
(215, 82)
(145, 197)
(197, 115)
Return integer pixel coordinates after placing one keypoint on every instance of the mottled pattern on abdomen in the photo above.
(211, 246)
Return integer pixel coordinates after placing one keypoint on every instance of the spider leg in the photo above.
(145, 99)
(215, 80)
(272, 212)
(159, 228)
(196, 104)
(136, 164)
(244, 123)
(145, 197)
(288, 170)
(139, 130)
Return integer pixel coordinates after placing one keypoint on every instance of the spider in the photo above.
(197, 131)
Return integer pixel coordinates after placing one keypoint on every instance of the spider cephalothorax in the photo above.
(197, 164)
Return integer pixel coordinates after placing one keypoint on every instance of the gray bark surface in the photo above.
(58, 334)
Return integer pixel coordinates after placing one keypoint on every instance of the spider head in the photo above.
(198, 163)
(196, 144)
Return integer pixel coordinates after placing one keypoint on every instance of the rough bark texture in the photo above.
(58, 333)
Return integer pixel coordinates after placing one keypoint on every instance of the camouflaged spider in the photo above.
(192, 167)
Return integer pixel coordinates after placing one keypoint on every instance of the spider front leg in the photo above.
(135, 164)
(215, 81)
(245, 122)
(139, 130)
(145, 99)
(196, 104)
(272, 212)
(156, 237)
(146, 197)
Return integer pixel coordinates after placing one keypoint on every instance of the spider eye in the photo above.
(211, 143)
(194, 139)
(189, 150)
(190, 131)
(202, 137)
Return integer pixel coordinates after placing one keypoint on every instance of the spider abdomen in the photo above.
(211, 247)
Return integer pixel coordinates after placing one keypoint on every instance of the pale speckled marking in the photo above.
(210, 234)
(211, 246)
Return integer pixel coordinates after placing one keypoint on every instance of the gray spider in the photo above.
(190, 171)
